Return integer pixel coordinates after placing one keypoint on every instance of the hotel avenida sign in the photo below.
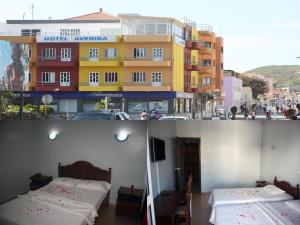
(55, 39)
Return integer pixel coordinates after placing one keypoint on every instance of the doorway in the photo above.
(188, 161)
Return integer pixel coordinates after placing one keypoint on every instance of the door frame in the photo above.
(178, 168)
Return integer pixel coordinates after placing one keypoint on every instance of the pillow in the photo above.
(273, 190)
(66, 181)
(294, 205)
(94, 185)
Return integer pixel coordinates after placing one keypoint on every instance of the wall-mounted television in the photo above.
(157, 149)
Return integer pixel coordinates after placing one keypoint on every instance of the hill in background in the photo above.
(282, 76)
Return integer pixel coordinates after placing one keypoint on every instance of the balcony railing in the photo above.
(204, 28)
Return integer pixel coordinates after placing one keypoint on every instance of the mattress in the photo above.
(221, 197)
(271, 213)
(59, 202)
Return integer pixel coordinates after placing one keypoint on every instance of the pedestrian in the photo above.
(268, 114)
(144, 115)
(246, 113)
(154, 114)
(253, 115)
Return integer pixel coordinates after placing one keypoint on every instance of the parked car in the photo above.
(173, 118)
(99, 116)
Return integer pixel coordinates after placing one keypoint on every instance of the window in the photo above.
(207, 44)
(35, 32)
(110, 53)
(139, 77)
(65, 79)
(29, 77)
(94, 54)
(94, 79)
(69, 32)
(111, 77)
(206, 62)
(66, 54)
(206, 81)
(29, 52)
(162, 29)
(48, 77)
(28, 32)
(157, 54)
(156, 79)
(140, 53)
(25, 32)
(49, 53)
(150, 28)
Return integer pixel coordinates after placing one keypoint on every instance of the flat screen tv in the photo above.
(157, 149)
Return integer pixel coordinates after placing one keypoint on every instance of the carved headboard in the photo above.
(84, 170)
(288, 188)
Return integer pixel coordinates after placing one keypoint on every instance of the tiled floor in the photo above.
(108, 217)
(200, 209)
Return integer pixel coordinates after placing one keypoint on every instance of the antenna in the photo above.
(32, 10)
(24, 15)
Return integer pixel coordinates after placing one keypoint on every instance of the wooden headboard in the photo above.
(84, 170)
(288, 188)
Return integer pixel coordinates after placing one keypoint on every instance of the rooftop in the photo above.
(100, 15)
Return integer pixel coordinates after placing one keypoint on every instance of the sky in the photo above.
(256, 32)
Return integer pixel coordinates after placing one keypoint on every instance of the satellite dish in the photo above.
(47, 99)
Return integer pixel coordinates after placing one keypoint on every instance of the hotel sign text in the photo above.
(55, 39)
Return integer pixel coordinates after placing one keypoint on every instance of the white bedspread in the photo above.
(54, 204)
(93, 197)
(221, 197)
(275, 213)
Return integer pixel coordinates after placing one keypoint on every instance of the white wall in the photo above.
(16, 158)
(230, 151)
(163, 176)
(54, 28)
(280, 154)
(94, 141)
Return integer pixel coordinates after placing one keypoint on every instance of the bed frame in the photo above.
(288, 188)
(86, 171)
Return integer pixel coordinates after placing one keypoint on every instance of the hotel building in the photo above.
(139, 62)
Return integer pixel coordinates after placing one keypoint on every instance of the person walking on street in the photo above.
(268, 114)
(144, 115)
(253, 115)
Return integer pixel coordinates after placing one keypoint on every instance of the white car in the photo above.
(173, 118)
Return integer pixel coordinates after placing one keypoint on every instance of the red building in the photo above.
(57, 67)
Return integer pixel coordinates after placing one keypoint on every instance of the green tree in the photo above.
(258, 86)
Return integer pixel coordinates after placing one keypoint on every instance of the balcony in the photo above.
(147, 62)
(196, 88)
(206, 50)
(188, 66)
(103, 62)
(42, 62)
(101, 86)
(147, 38)
(206, 70)
(147, 86)
(194, 45)
(196, 67)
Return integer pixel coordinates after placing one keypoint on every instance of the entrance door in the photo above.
(188, 162)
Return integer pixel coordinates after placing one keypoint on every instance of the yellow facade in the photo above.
(178, 68)
(100, 66)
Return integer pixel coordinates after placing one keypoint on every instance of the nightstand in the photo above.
(38, 181)
(129, 201)
(261, 183)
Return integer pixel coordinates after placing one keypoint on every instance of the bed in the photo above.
(273, 213)
(279, 192)
(76, 197)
